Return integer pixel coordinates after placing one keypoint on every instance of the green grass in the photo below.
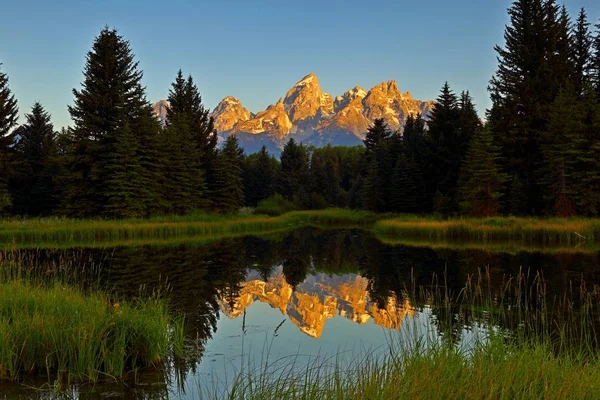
(55, 232)
(496, 234)
(547, 232)
(53, 329)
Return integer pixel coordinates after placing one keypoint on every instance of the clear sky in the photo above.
(257, 49)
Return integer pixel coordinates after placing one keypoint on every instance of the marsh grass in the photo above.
(523, 345)
(496, 234)
(52, 328)
(56, 232)
(547, 232)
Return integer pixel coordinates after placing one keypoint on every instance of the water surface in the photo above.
(289, 300)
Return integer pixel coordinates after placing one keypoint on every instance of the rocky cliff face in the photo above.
(229, 112)
(316, 300)
(160, 110)
(315, 117)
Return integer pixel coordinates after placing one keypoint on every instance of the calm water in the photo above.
(306, 295)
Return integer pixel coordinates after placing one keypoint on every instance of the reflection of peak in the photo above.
(317, 299)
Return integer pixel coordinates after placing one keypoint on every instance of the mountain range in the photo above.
(313, 117)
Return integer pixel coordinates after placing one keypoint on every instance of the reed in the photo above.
(57, 231)
(51, 328)
(547, 232)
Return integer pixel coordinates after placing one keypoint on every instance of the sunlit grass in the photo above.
(566, 232)
(57, 231)
(53, 329)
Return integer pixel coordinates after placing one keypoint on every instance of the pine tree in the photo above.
(582, 46)
(295, 173)
(260, 174)
(123, 174)
(8, 120)
(595, 62)
(482, 182)
(184, 175)
(33, 185)
(112, 97)
(403, 187)
(372, 194)
(533, 66)
(377, 134)
(447, 146)
(228, 194)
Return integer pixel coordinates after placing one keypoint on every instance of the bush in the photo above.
(274, 206)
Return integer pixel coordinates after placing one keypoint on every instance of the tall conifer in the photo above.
(8, 120)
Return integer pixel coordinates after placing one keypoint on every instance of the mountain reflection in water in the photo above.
(340, 287)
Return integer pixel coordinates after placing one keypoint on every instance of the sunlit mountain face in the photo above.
(312, 116)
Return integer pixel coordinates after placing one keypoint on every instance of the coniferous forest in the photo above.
(535, 152)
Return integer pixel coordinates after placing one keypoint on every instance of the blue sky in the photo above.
(257, 49)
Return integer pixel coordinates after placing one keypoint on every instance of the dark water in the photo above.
(306, 294)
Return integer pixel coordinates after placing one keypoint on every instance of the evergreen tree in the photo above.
(184, 175)
(582, 46)
(403, 187)
(185, 102)
(123, 177)
(481, 182)
(378, 133)
(373, 194)
(533, 65)
(8, 120)
(295, 173)
(34, 187)
(446, 145)
(111, 97)
(571, 166)
(228, 193)
(260, 175)
(595, 62)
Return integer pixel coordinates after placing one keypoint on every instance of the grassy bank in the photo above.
(545, 232)
(496, 233)
(52, 329)
(200, 227)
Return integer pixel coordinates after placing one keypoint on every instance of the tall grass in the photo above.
(57, 231)
(51, 328)
(528, 346)
(547, 232)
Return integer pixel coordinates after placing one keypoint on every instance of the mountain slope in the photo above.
(314, 117)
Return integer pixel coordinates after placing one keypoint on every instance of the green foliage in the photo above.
(404, 189)
(274, 206)
(34, 184)
(482, 182)
(62, 331)
(260, 176)
(112, 97)
(228, 192)
(534, 65)
(8, 120)
(295, 173)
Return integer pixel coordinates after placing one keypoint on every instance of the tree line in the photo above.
(538, 153)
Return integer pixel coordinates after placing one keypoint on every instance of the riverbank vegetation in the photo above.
(55, 329)
(505, 232)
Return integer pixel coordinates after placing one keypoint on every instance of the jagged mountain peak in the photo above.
(228, 113)
(306, 101)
